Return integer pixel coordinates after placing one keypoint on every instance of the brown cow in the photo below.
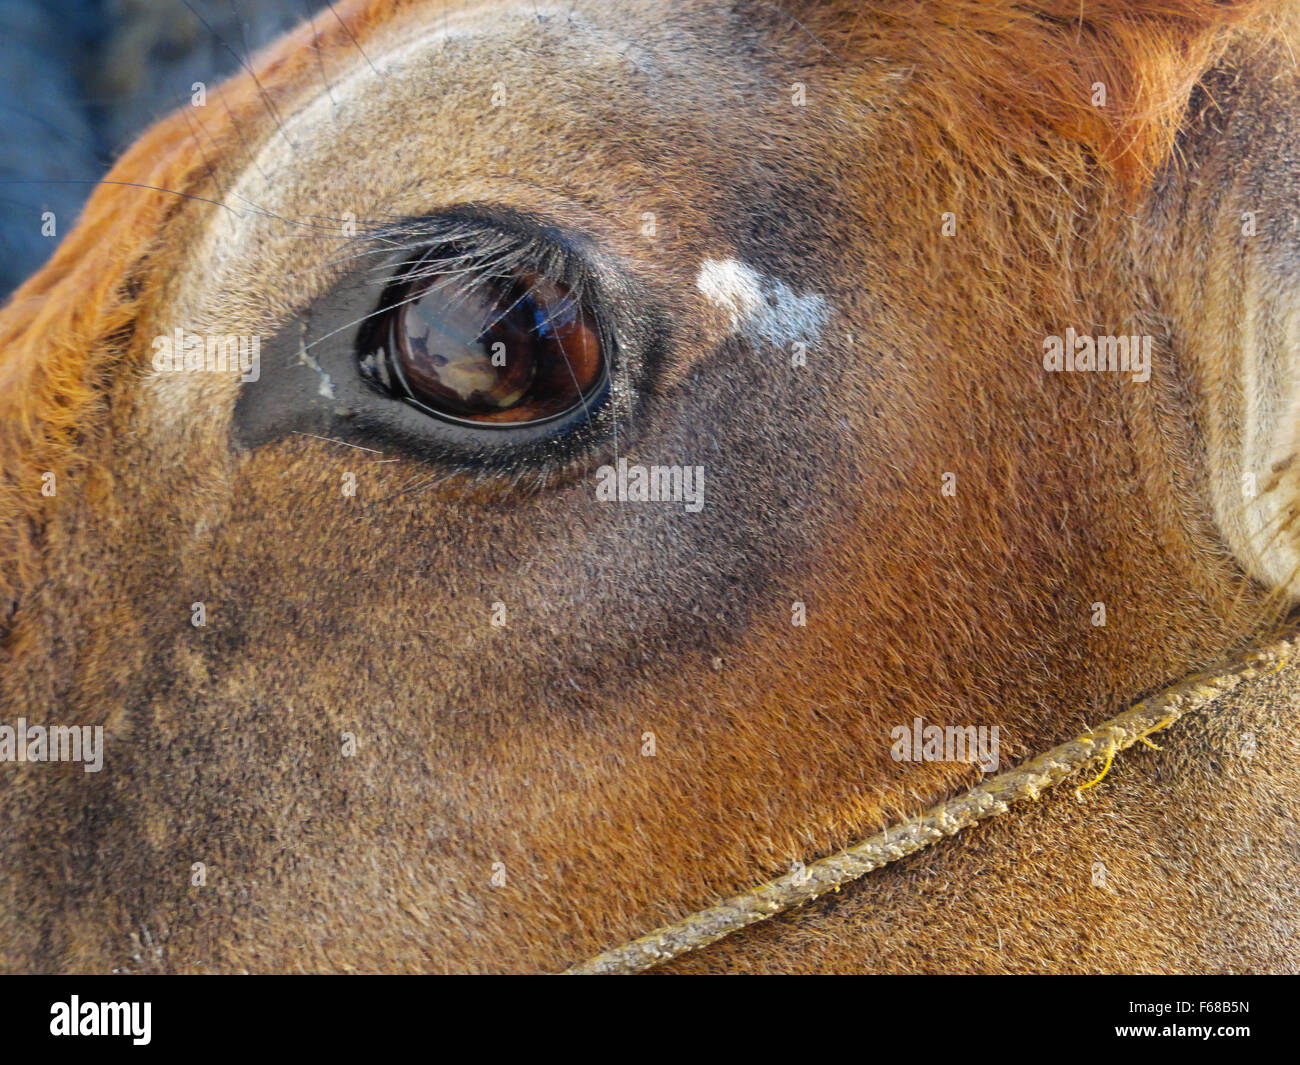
(951, 338)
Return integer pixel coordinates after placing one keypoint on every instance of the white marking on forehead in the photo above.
(762, 307)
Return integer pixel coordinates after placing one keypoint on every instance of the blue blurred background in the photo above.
(79, 79)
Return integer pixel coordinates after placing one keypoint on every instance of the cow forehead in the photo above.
(579, 116)
(528, 106)
(350, 149)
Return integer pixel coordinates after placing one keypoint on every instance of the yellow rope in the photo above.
(1141, 737)
(1110, 757)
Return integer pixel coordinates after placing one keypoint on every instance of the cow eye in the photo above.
(507, 349)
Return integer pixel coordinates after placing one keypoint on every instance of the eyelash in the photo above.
(483, 248)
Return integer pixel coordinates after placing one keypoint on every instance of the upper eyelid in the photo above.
(531, 242)
(481, 248)
(486, 231)
(480, 238)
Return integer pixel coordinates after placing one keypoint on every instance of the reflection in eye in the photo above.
(504, 351)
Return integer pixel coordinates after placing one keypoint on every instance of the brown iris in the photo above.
(505, 351)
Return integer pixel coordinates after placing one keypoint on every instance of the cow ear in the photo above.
(1113, 75)
(1221, 263)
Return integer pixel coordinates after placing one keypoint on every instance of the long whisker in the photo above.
(207, 163)
(123, 184)
(352, 37)
(320, 61)
(247, 67)
(240, 134)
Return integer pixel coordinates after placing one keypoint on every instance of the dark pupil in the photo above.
(506, 352)
(470, 355)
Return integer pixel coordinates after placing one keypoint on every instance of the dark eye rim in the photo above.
(403, 288)
(330, 396)
(464, 233)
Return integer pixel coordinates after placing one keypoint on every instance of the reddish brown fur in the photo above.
(970, 611)
(995, 79)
